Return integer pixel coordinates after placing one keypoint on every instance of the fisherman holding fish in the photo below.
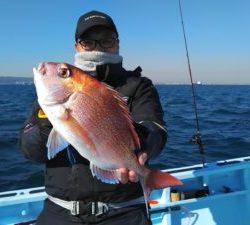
(94, 126)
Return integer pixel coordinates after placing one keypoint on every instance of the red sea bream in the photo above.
(95, 120)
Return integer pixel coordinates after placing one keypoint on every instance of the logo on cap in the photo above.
(94, 16)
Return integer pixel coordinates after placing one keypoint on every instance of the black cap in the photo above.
(92, 19)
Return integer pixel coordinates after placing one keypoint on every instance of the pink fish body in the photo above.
(95, 120)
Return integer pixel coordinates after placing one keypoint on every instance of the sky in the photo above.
(150, 33)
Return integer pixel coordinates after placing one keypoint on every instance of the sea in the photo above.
(223, 113)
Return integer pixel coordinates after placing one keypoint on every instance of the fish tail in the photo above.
(156, 179)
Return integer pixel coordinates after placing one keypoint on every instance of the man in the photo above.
(75, 197)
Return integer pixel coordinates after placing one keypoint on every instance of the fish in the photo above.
(95, 119)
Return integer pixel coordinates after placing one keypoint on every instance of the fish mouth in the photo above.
(35, 72)
(46, 101)
(41, 69)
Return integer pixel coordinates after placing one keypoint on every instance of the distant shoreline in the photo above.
(16, 80)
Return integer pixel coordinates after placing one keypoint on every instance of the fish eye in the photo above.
(63, 71)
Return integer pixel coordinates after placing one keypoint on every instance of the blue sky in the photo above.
(218, 35)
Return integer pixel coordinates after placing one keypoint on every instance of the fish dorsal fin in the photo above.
(106, 176)
(125, 111)
(55, 143)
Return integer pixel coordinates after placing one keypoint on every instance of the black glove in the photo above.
(34, 135)
(38, 118)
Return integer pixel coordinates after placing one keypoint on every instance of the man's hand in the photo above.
(125, 175)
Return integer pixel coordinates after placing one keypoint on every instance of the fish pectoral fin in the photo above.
(106, 176)
(60, 112)
(55, 143)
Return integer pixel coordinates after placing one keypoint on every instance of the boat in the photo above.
(216, 193)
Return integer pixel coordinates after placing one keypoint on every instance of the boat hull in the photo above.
(218, 193)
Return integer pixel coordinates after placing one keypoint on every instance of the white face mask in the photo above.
(88, 61)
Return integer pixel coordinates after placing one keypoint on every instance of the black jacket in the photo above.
(67, 176)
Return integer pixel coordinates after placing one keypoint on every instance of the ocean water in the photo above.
(224, 119)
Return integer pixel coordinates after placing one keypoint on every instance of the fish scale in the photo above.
(98, 125)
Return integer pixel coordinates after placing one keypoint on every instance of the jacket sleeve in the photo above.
(148, 116)
(33, 136)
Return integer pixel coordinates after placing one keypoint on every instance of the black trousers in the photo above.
(53, 214)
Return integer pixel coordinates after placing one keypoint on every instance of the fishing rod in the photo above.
(196, 139)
